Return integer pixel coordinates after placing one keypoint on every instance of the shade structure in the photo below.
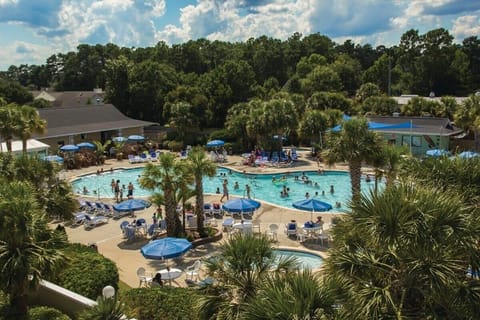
(437, 153)
(468, 154)
(136, 138)
(215, 143)
(119, 139)
(87, 145)
(69, 148)
(165, 248)
(132, 205)
(53, 158)
(312, 205)
(241, 205)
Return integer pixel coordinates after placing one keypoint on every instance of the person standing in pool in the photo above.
(117, 191)
(247, 190)
(225, 190)
(130, 190)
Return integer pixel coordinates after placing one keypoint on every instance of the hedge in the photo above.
(46, 313)
(160, 303)
(87, 272)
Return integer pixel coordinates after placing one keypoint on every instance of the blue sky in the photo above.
(33, 30)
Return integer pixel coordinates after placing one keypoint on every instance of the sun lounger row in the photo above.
(100, 208)
(152, 157)
(89, 220)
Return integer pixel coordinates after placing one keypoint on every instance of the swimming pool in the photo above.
(262, 186)
(307, 260)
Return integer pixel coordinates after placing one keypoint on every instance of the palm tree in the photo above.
(354, 144)
(164, 177)
(244, 262)
(404, 253)
(313, 299)
(30, 123)
(200, 165)
(393, 157)
(9, 123)
(184, 192)
(100, 149)
(29, 249)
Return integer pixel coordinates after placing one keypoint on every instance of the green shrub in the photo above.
(160, 303)
(87, 272)
(46, 313)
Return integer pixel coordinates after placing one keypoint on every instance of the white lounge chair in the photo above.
(193, 270)
(93, 221)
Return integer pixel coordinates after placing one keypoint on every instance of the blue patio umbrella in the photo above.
(312, 205)
(165, 248)
(241, 205)
(119, 139)
(87, 145)
(132, 205)
(69, 148)
(468, 154)
(437, 153)
(215, 143)
(136, 138)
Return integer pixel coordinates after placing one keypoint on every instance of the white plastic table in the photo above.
(169, 275)
(246, 226)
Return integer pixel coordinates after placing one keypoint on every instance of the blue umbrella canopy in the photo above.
(88, 145)
(215, 143)
(312, 205)
(468, 154)
(69, 147)
(119, 139)
(165, 248)
(136, 138)
(241, 205)
(437, 153)
(132, 205)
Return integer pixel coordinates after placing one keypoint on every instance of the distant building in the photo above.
(78, 116)
(418, 133)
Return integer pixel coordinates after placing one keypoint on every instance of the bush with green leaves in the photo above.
(88, 272)
(160, 303)
(46, 313)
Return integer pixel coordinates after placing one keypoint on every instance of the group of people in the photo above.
(118, 191)
(236, 186)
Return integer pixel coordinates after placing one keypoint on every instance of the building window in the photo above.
(83, 136)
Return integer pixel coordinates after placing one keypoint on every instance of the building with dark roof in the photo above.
(71, 98)
(75, 124)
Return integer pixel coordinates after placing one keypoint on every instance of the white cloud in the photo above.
(19, 52)
(7, 2)
(466, 26)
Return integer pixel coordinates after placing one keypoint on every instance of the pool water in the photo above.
(261, 185)
(307, 260)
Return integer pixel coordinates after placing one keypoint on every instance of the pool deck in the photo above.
(127, 256)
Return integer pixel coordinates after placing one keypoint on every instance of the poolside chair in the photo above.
(272, 232)
(247, 215)
(153, 156)
(131, 158)
(143, 277)
(294, 155)
(78, 218)
(291, 229)
(93, 221)
(144, 157)
(193, 270)
(207, 209)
